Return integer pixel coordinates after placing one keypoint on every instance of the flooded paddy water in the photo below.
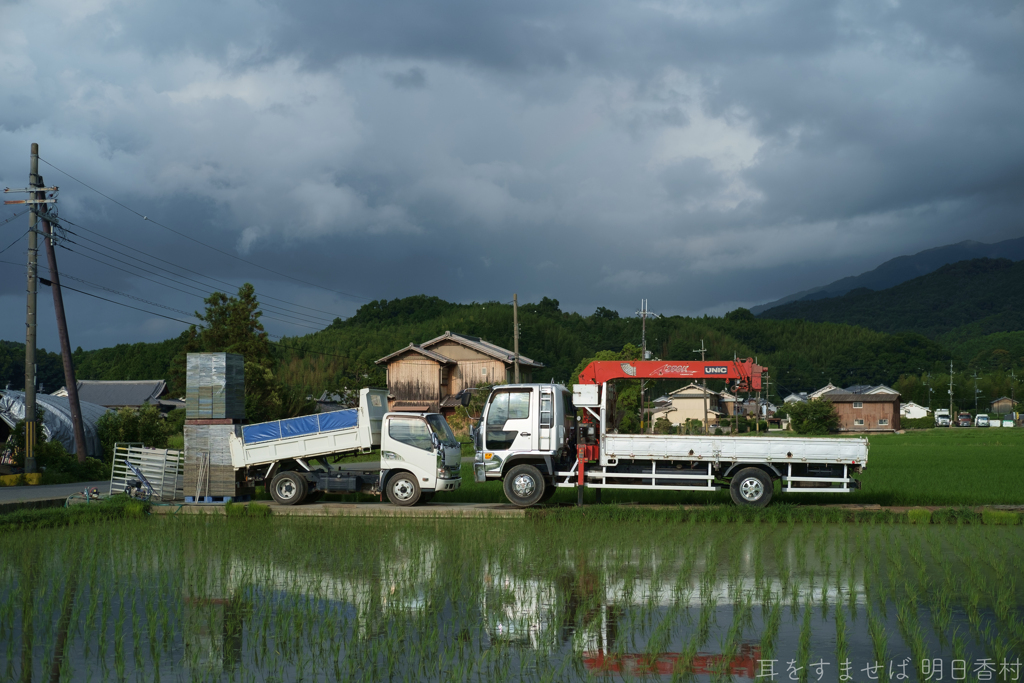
(556, 599)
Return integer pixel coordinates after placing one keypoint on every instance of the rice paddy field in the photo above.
(551, 598)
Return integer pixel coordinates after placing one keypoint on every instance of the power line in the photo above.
(17, 215)
(181, 267)
(118, 303)
(14, 242)
(127, 306)
(208, 246)
(112, 291)
(287, 322)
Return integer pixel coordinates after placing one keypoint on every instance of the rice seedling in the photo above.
(551, 598)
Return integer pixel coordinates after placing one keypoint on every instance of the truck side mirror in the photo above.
(436, 442)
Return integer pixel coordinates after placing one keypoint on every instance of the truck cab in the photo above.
(419, 455)
(527, 428)
(941, 417)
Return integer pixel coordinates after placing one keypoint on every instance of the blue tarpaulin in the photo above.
(264, 431)
(338, 419)
(299, 426)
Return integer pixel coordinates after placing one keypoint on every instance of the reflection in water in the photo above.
(464, 600)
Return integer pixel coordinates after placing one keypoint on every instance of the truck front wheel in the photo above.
(403, 489)
(288, 488)
(524, 485)
(751, 487)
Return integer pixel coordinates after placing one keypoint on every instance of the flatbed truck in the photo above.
(419, 454)
(532, 440)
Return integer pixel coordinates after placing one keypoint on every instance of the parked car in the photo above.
(963, 420)
(981, 420)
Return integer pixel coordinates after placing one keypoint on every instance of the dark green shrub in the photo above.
(128, 425)
(814, 417)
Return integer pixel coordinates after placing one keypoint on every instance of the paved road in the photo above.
(21, 494)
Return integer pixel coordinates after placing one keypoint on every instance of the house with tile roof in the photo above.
(121, 394)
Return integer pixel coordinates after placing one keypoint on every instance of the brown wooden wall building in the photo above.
(427, 376)
(865, 412)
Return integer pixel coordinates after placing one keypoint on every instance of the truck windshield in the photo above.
(443, 431)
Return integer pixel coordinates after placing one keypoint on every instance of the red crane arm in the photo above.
(746, 371)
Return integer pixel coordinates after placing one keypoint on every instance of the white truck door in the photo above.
(510, 425)
(408, 446)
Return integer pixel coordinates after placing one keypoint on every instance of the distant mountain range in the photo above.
(958, 301)
(903, 268)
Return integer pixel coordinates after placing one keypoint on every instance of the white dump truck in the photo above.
(419, 454)
(531, 438)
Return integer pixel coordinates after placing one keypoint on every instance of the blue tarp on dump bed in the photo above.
(300, 426)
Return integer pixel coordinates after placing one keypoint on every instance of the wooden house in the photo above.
(865, 412)
(428, 376)
(1001, 406)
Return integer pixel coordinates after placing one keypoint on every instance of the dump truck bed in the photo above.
(310, 436)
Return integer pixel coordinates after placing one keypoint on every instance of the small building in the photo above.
(865, 412)
(123, 394)
(796, 398)
(429, 376)
(912, 411)
(1001, 406)
(687, 403)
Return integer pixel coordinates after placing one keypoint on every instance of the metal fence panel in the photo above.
(164, 468)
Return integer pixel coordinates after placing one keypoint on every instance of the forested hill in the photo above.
(800, 355)
(957, 302)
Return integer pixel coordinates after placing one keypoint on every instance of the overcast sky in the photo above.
(702, 155)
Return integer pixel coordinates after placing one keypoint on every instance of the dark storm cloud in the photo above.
(703, 155)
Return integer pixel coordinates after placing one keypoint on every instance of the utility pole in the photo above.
(644, 314)
(62, 330)
(1013, 387)
(515, 336)
(704, 384)
(30, 308)
(975, 392)
(951, 416)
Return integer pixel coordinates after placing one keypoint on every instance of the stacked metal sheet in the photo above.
(214, 411)
(215, 386)
(208, 469)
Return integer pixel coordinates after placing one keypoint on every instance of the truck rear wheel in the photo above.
(751, 487)
(288, 488)
(524, 485)
(403, 489)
